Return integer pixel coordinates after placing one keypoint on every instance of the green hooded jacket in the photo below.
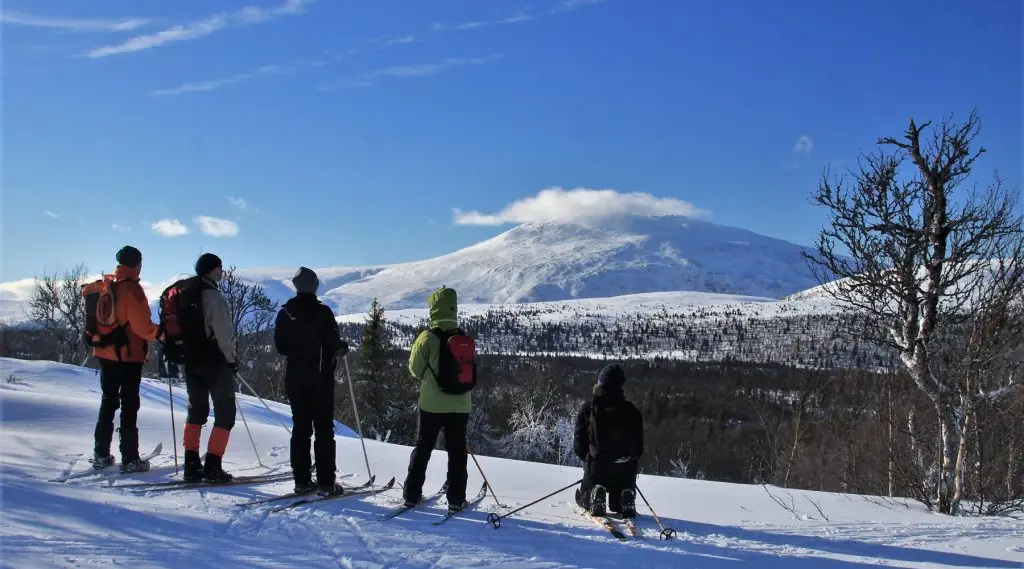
(425, 354)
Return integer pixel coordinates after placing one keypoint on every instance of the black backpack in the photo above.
(182, 322)
(609, 430)
(456, 372)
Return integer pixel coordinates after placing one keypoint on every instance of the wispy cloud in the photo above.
(424, 69)
(412, 70)
(395, 41)
(169, 228)
(214, 84)
(560, 7)
(580, 204)
(242, 204)
(74, 24)
(202, 28)
(216, 227)
(49, 213)
(804, 145)
(119, 227)
(474, 24)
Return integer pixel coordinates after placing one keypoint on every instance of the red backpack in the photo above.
(456, 362)
(181, 320)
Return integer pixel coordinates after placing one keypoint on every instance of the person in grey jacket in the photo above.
(212, 377)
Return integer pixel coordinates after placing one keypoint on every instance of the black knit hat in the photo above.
(611, 376)
(206, 263)
(306, 281)
(129, 256)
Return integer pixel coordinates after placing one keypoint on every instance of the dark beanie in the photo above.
(305, 281)
(206, 263)
(611, 376)
(129, 256)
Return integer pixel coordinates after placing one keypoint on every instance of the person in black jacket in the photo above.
(306, 333)
(609, 439)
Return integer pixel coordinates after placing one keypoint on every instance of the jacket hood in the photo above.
(444, 308)
(609, 392)
(126, 273)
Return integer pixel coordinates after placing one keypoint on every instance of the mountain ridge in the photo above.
(554, 261)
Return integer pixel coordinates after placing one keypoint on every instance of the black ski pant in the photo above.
(614, 476)
(219, 386)
(429, 426)
(312, 403)
(119, 383)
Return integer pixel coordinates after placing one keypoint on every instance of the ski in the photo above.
(107, 471)
(631, 526)
(296, 495)
(316, 499)
(472, 502)
(171, 485)
(423, 501)
(606, 523)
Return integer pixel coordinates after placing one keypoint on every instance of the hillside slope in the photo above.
(48, 414)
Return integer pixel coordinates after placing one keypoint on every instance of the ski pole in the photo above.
(495, 519)
(489, 487)
(265, 406)
(238, 403)
(355, 410)
(665, 533)
(174, 429)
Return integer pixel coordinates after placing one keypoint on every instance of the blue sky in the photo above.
(332, 132)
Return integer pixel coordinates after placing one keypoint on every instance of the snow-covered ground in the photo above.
(48, 417)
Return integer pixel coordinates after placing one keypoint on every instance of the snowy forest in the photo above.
(912, 392)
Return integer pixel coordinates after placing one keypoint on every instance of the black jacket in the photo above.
(622, 435)
(306, 333)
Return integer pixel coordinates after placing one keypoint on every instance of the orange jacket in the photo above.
(133, 310)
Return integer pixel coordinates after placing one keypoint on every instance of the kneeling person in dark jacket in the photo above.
(609, 439)
(306, 333)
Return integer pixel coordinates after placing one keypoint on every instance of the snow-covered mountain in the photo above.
(553, 261)
(49, 411)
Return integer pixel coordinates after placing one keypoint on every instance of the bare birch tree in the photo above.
(57, 306)
(921, 262)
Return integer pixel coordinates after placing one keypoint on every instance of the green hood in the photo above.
(444, 308)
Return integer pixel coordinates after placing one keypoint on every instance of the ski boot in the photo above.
(212, 471)
(598, 497)
(135, 465)
(193, 467)
(305, 488)
(332, 489)
(99, 461)
(628, 503)
(456, 508)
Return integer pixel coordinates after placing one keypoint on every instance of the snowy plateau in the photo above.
(49, 411)
(547, 261)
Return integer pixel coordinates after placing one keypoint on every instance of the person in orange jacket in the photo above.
(121, 365)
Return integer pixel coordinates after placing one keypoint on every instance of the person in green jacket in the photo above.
(438, 410)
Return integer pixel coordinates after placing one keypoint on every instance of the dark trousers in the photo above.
(119, 382)
(429, 426)
(615, 477)
(201, 388)
(312, 403)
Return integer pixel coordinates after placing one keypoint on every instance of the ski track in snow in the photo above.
(48, 417)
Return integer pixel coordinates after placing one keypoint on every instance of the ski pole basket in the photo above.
(666, 533)
(495, 519)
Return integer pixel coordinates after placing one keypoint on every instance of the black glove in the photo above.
(343, 349)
